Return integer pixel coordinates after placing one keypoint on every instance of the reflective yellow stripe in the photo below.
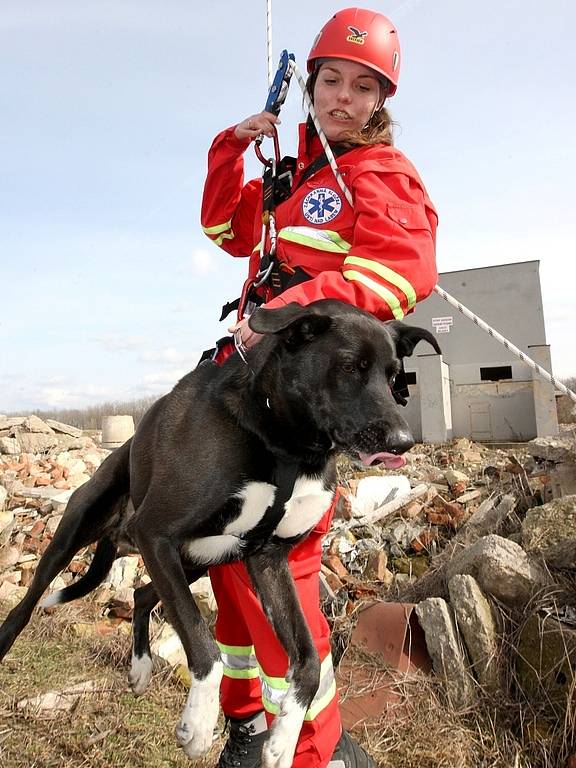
(321, 239)
(236, 650)
(225, 230)
(274, 689)
(239, 661)
(384, 293)
(388, 274)
(225, 236)
(218, 228)
(241, 674)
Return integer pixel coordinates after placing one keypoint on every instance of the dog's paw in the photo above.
(195, 731)
(140, 674)
(278, 753)
(194, 738)
(279, 750)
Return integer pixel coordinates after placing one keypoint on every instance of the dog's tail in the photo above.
(98, 569)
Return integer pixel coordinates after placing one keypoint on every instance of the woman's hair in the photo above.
(378, 130)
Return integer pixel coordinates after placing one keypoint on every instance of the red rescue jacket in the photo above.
(378, 254)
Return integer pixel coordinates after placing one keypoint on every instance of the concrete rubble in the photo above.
(461, 530)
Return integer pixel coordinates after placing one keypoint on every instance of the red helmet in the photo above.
(363, 36)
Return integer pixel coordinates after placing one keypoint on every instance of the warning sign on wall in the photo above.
(442, 324)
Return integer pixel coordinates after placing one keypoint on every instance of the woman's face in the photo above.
(345, 97)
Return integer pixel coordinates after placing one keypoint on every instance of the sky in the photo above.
(108, 288)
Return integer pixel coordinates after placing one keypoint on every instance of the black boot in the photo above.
(246, 738)
(349, 754)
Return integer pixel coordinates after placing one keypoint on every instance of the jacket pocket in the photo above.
(409, 216)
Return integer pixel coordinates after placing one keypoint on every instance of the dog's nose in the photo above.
(400, 441)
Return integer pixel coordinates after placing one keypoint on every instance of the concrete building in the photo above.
(477, 388)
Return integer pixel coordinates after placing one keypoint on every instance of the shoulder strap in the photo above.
(320, 162)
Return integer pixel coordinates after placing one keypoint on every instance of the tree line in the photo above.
(92, 416)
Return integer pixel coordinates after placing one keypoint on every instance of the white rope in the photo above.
(269, 41)
(324, 141)
(504, 341)
(440, 291)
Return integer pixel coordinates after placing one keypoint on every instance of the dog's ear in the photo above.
(296, 324)
(406, 337)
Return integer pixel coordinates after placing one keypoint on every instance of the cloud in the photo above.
(67, 397)
(203, 262)
(169, 355)
(169, 377)
(120, 344)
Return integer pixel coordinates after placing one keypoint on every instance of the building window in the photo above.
(496, 373)
(410, 377)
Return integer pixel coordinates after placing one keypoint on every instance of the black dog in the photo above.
(237, 463)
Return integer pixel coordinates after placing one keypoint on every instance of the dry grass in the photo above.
(112, 729)
(107, 729)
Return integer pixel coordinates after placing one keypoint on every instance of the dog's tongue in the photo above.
(390, 460)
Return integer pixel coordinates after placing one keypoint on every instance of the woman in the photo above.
(377, 254)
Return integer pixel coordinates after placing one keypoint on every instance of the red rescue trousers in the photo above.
(248, 642)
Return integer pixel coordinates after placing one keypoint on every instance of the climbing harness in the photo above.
(276, 187)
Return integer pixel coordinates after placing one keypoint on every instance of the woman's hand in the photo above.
(254, 126)
(244, 336)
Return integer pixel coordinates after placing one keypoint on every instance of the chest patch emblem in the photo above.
(321, 205)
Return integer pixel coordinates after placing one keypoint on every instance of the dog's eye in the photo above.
(347, 367)
(364, 364)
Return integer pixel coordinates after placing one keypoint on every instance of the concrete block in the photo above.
(550, 531)
(476, 622)
(448, 657)
(501, 568)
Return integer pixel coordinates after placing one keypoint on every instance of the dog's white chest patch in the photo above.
(255, 499)
(309, 501)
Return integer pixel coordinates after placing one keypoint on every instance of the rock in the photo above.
(35, 442)
(455, 477)
(60, 500)
(411, 566)
(6, 422)
(123, 572)
(203, 595)
(54, 703)
(501, 568)
(66, 429)
(556, 449)
(6, 526)
(375, 568)
(9, 556)
(78, 479)
(34, 424)
(3, 497)
(448, 657)
(11, 594)
(166, 644)
(546, 662)
(10, 446)
(336, 566)
(52, 524)
(563, 480)
(550, 531)
(477, 624)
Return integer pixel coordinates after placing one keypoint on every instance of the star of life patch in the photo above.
(321, 205)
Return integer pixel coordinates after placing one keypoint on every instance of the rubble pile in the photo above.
(462, 534)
